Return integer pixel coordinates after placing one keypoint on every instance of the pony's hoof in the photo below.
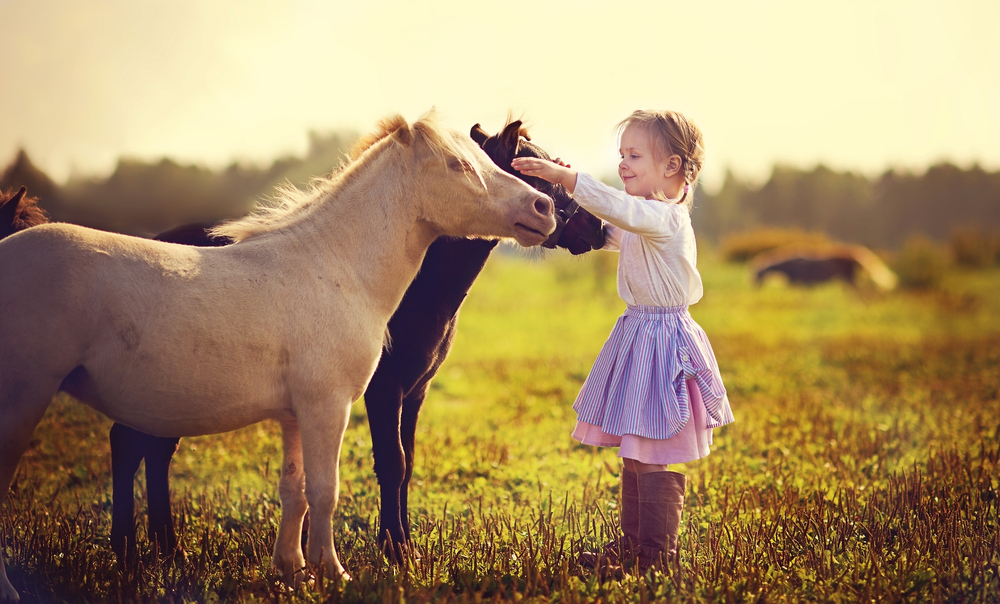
(400, 553)
(293, 573)
(339, 572)
(180, 554)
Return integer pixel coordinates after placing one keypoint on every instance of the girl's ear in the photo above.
(672, 166)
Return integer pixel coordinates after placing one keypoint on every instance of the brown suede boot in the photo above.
(614, 552)
(661, 501)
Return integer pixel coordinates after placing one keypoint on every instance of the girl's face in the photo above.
(639, 170)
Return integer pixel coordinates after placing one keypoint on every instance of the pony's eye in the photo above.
(460, 165)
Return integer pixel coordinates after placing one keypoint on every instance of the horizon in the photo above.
(859, 88)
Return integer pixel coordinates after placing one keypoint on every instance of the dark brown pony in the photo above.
(819, 264)
(423, 328)
(421, 331)
(19, 212)
(811, 271)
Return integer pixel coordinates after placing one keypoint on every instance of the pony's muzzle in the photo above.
(544, 206)
(532, 224)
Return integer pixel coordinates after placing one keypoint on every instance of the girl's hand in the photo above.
(558, 173)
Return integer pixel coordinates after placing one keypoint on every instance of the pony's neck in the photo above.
(386, 240)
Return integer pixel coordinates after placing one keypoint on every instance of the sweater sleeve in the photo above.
(645, 217)
(612, 238)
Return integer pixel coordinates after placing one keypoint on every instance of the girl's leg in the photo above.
(644, 468)
(630, 505)
(661, 501)
(620, 548)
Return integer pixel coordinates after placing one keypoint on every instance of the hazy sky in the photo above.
(860, 85)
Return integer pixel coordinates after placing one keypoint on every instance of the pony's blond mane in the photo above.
(290, 204)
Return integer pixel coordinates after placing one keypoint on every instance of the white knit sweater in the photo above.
(658, 256)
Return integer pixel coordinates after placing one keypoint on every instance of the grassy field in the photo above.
(862, 467)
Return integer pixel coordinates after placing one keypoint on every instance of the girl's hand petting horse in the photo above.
(556, 171)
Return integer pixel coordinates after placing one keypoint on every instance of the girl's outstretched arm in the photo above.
(556, 172)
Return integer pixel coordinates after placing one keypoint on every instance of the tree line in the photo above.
(144, 198)
(880, 213)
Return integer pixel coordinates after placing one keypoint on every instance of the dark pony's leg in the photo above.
(411, 410)
(159, 452)
(128, 447)
(383, 401)
(407, 433)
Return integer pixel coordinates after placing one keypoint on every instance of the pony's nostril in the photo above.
(543, 206)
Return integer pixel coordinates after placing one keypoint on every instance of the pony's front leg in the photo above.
(21, 407)
(288, 559)
(322, 436)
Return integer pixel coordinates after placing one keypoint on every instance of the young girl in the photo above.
(655, 390)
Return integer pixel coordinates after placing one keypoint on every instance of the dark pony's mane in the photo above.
(26, 214)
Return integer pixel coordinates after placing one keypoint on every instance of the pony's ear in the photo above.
(479, 135)
(8, 210)
(511, 135)
(16, 199)
(505, 149)
(403, 134)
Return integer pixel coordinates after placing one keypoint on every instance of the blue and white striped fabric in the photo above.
(638, 383)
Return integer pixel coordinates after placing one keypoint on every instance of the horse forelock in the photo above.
(439, 140)
(386, 127)
(445, 146)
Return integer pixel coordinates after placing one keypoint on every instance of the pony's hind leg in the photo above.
(322, 437)
(127, 451)
(159, 453)
(407, 433)
(21, 407)
(383, 399)
(287, 558)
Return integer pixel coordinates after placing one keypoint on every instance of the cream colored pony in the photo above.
(285, 324)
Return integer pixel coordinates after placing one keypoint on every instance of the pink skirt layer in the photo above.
(693, 442)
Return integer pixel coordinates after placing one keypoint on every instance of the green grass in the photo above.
(862, 466)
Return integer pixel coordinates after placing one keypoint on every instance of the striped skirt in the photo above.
(639, 384)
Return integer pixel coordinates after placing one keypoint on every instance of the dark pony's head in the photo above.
(577, 230)
(18, 212)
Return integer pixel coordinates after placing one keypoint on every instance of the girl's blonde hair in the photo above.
(671, 134)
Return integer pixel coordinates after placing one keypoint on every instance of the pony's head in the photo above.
(577, 230)
(19, 212)
(464, 193)
(450, 186)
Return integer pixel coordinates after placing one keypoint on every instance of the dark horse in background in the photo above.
(814, 265)
(421, 333)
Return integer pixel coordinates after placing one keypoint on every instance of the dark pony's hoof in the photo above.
(398, 554)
